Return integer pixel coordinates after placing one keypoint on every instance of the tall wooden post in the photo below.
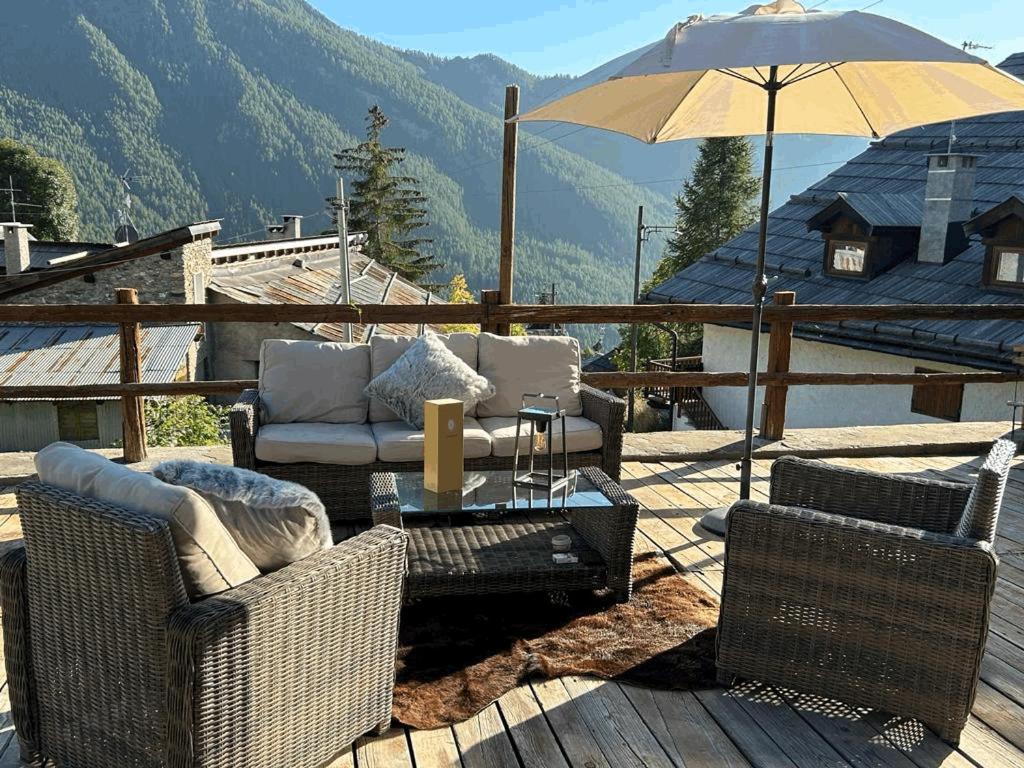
(133, 416)
(508, 201)
(489, 298)
(780, 344)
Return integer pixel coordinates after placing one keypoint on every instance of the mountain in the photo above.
(232, 109)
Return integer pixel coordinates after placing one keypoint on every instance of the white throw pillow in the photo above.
(209, 558)
(428, 370)
(518, 365)
(303, 381)
(385, 350)
(274, 522)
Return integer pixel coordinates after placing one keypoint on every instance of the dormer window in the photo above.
(1002, 231)
(848, 256)
(867, 234)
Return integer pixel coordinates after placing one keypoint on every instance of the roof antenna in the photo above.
(970, 45)
(126, 231)
(14, 204)
(952, 137)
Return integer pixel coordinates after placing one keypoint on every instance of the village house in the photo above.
(928, 215)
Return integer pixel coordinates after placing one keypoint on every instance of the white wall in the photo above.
(28, 425)
(728, 349)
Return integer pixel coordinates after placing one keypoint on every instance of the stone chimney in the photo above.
(16, 247)
(292, 226)
(948, 201)
(275, 232)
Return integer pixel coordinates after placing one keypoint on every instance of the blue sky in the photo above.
(574, 36)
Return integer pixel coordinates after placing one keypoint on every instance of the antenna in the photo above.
(125, 230)
(952, 137)
(970, 45)
(14, 204)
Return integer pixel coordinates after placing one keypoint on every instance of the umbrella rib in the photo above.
(792, 73)
(738, 76)
(874, 133)
(680, 103)
(817, 69)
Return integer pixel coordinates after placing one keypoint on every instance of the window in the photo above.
(1008, 265)
(849, 256)
(77, 422)
(942, 401)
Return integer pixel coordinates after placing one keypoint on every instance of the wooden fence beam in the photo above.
(780, 345)
(133, 409)
(510, 149)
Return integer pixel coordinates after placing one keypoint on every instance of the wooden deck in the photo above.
(585, 723)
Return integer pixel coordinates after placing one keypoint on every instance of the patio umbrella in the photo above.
(779, 68)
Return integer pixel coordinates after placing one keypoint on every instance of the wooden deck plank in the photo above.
(484, 742)
(578, 743)
(435, 748)
(346, 759)
(987, 748)
(531, 734)
(684, 729)
(388, 751)
(750, 738)
(1000, 714)
(921, 746)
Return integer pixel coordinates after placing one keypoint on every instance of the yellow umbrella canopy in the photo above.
(842, 72)
(778, 68)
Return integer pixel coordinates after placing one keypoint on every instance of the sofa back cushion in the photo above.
(275, 522)
(313, 381)
(517, 365)
(385, 351)
(209, 558)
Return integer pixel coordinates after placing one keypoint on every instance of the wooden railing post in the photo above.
(506, 261)
(489, 298)
(780, 344)
(133, 415)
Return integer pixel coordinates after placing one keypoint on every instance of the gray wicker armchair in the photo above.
(869, 588)
(110, 665)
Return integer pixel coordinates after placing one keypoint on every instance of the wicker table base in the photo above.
(455, 552)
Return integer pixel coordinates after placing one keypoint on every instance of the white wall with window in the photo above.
(28, 425)
(728, 349)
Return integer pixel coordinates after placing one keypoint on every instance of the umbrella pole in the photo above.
(760, 284)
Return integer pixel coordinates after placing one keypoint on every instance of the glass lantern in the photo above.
(537, 412)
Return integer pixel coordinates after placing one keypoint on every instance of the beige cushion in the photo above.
(320, 443)
(580, 434)
(385, 351)
(313, 381)
(210, 560)
(274, 522)
(518, 365)
(397, 441)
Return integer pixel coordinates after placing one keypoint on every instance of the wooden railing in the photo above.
(687, 400)
(492, 315)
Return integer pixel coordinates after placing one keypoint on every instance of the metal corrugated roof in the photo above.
(316, 280)
(65, 355)
(896, 165)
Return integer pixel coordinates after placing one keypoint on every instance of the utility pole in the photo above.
(346, 281)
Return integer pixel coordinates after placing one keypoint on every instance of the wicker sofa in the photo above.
(110, 665)
(341, 478)
(869, 588)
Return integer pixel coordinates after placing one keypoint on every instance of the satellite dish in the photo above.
(126, 233)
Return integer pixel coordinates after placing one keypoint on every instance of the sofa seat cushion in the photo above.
(385, 351)
(313, 381)
(316, 442)
(519, 365)
(275, 522)
(210, 559)
(580, 434)
(397, 441)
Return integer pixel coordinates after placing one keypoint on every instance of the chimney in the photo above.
(16, 247)
(275, 232)
(948, 201)
(292, 226)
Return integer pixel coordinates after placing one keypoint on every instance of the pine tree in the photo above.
(715, 205)
(387, 206)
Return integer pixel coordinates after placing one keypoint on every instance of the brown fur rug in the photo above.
(457, 655)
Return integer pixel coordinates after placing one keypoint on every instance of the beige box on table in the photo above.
(442, 445)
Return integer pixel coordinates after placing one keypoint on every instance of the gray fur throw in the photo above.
(274, 522)
(428, 370)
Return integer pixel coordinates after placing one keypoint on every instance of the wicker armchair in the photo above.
(345, 490)
(110, 665)
(869, 588)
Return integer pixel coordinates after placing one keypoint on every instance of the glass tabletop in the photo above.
(491, 491)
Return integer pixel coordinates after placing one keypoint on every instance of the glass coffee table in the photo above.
(495, 536)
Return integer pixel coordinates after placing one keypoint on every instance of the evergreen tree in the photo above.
(716, 203)
(387, 206)
(45, 184)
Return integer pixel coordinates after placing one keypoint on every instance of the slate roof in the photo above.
(876, 211)
(63, 355)
(896, 165)
(314, 278)
(41, 253)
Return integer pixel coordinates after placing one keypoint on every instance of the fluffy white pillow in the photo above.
(428, 370)
(274, 522)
